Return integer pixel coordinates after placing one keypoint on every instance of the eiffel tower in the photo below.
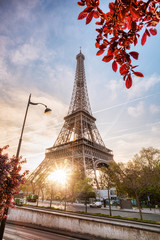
(79, 141)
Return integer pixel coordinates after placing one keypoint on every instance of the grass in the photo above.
(120, 217)
(98, 214)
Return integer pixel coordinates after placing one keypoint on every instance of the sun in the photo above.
(58, 176)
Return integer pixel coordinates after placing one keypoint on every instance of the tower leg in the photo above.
(84, 162)
(95, 174)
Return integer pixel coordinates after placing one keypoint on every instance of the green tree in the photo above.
(139, 174)
(133, 182)
(75, 177)
(83, 189)
(107, 181)
(149, 161)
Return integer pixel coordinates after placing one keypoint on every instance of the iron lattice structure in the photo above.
(79, 141)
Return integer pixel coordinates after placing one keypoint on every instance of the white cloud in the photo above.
(155, 130)
(6, 77)
(142, 85)
(24, 8)
(4, 41)
(24, 54)
(154, 109)
(136, 111)
(31, 51)
(114, 87)
(127, 146)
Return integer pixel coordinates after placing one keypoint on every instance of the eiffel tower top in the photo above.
(80, 99)
(79, 123)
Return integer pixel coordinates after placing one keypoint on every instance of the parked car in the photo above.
(96, 204)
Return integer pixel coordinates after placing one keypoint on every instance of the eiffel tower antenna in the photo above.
(79, 141)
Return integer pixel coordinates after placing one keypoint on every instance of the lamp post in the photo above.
(47, 110)
(24, 121)
(65, 196)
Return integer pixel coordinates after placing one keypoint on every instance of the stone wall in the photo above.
(84, 224)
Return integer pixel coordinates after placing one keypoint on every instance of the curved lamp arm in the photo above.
(47, 110)
(32, 103)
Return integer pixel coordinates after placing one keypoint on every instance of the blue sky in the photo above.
(39, 41)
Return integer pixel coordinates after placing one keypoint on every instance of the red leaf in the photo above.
(114, 66)
(100, 52)
(82, 15)
(105, 41)
(89, 17)
(134, 55)
(132, 24)
(102, 46)
(144, 38)
(147, 32)
(97, 45)
(107, 58)
(138, 74)
(153, 31)
(81, 4)
(129, 81)
(100, 23)
(124, 72)
(135, 41)
(124, 78)
(106, 29)
(134, 66)
(100, 11)
(111, 6)
(123, 69)
(134, 13)
(88, 9)
(95, 14)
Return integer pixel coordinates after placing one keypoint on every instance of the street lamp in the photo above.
(47, 110)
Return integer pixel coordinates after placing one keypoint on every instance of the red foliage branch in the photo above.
(10, 179)
(119, 29)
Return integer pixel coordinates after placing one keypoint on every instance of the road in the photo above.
(149, 215)
(15, 232)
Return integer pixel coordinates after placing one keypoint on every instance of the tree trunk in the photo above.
(38, 197)
(139, 206)
(42, 195)
(86, 205)
(110, 210)
(3, 223)
(51, 200)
